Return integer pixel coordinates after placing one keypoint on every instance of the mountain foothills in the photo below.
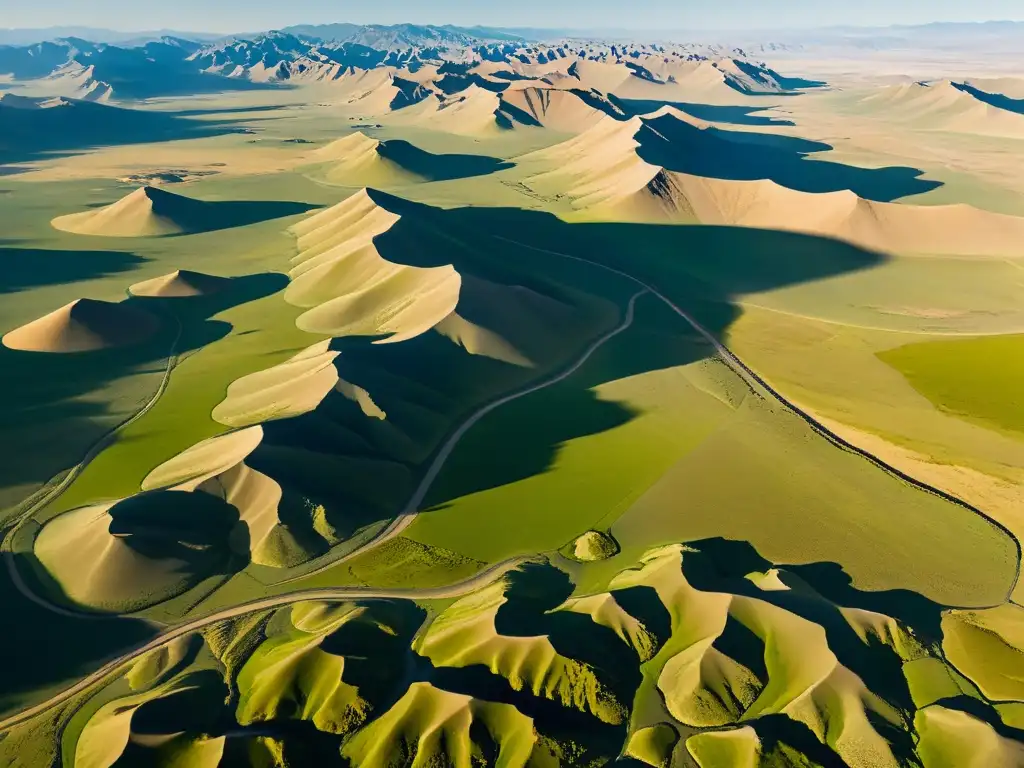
(413, 396)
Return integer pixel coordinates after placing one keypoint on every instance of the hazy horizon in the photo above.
(644, 16)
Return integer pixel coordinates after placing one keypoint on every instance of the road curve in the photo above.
(459, 589)
(752, 378)
(45, 496)
(409, 511)
(397, 526)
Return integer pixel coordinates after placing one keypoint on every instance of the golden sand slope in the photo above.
(466, 634)
(110, 730)
(602, 173)
(600, 164)
(289, 389)
(360, 161)
(129, 554)
(445, 728)
(378, 91)
(217, 467)
(146, 212)
(555, 108)
(943, 106)
(179, 284)
(351, 289)
(84, 325)
(474, 111)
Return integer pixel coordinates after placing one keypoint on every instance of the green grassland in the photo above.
(683, 459)
(769, 596)
(979, 379)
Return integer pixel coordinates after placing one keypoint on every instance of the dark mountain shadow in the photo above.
(508, 115)
(51, 391)
(997, 100)
(213, 110)
(776, 731)
(39, 639)
(712, 113)
(746, 156)
(193, 216)
(456, 83)
(700, 268)
(759, 74)
(78, 126)
(26, 268)
(439, 167)
(816, 592)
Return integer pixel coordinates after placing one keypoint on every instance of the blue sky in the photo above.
(244, 15)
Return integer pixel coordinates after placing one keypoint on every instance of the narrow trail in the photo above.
(397, 526)
(47, 495)
(340, 593)
(752, 378)
(409, 512)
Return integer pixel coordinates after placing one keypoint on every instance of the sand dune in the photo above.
(561, 110)
(154, 212)
(293, 387)
(467, 634)
(351, 289)
(378, 91)
(474, 111)
(136, 552)
(790, 669)
(447, 729)
(216, 468)
(179, 284)
(113, 729)
(601, 171)
(944, 106)
(83, 326)
(146, 212)
(358, 160)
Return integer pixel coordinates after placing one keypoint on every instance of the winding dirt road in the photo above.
(341, 593)
(408, 514)
(395, 528)
(753, 379)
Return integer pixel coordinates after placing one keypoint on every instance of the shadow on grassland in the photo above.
(702, 269)
(717, 153)
(45, 648)
(26, 268)
(713, 113)
(79, 126)
(59, 402)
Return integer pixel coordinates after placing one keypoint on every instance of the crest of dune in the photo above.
(605, 177)
(351, 290)
(792, 672)
(943, 106)
(358, 160)
(217, 467)
(447, 729)
(146, 212)
(474, 111)
(555, 108)
(84, 325)
(288, 389)
(378, 91)
(180, 283)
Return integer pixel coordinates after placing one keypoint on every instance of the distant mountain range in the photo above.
(424, 35)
